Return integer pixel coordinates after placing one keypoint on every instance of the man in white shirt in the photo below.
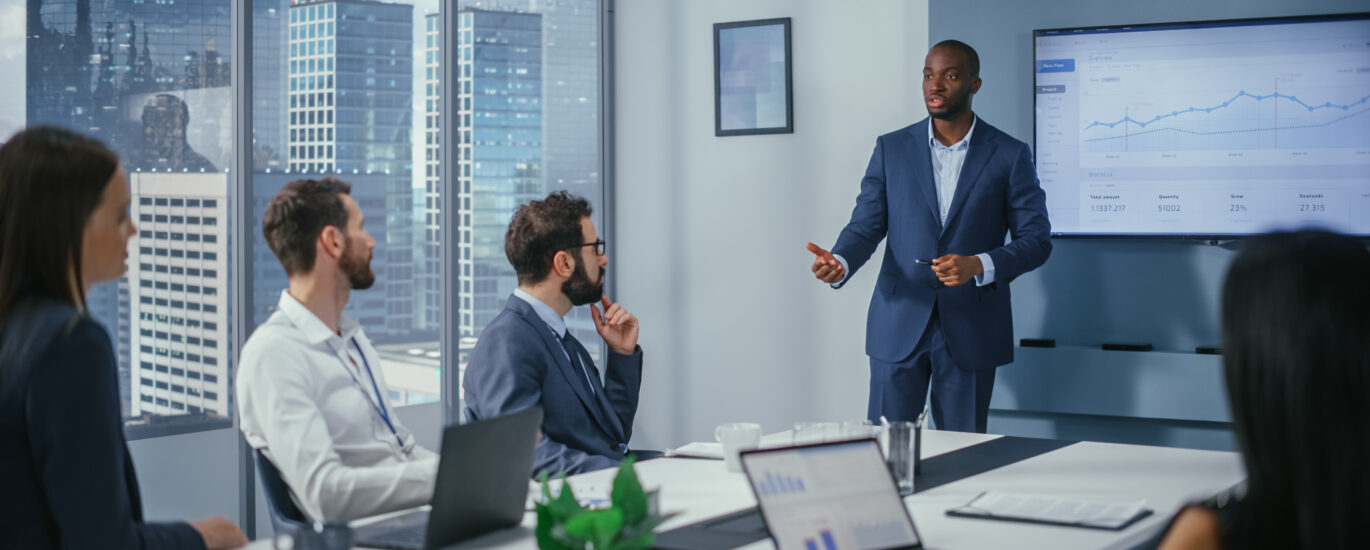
(311, 394)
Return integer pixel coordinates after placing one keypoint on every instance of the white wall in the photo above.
(710, 231)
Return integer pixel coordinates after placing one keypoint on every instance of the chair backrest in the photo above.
(285, 516)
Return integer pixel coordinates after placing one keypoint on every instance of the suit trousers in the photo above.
(960, 397)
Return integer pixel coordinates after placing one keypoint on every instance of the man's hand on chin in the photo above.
(616, 326)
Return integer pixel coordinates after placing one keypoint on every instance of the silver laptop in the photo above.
(829, 496)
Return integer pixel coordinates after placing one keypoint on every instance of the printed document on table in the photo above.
(1054, 510)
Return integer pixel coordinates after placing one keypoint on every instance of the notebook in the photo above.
(1111, 515)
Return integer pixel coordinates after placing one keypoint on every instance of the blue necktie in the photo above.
(579, 357)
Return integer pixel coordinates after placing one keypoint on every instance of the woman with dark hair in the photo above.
(1296, 356)
(66, 478)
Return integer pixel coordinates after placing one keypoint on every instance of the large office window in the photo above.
(153, 83)
(350, 89)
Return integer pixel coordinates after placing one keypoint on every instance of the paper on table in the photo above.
(706, 449)
(1049, 509)
(698, 449)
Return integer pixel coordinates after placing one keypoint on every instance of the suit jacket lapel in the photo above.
(916, 145)
(573, 376)
(982, 147)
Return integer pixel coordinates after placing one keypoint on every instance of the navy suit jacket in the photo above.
(66, 478)
(519, 363)
(997, 194)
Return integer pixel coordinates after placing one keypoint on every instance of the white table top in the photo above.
(1166, 477)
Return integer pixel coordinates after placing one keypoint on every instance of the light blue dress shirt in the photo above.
(946, 171)
(556, 324)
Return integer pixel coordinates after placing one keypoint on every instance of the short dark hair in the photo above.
(541, 228)
(1297, 366)
(972, 58)
(51, 181)
(296, 215)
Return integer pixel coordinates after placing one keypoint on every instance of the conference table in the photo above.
(1165, 477)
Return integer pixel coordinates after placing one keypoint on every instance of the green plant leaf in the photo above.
(565, 506)
(543, 532)
(627, 494)
(600, 527)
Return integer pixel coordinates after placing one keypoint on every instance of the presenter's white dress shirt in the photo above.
(305, 398)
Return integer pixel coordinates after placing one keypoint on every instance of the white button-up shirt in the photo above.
(305, 398)
(947, 162)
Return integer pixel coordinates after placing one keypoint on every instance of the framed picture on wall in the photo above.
(753, 87)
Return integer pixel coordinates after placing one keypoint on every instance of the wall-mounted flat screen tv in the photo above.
(1205, 129)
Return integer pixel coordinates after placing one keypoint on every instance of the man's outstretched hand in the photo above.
(825, 267)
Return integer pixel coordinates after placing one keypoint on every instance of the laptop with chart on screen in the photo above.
(829, 496)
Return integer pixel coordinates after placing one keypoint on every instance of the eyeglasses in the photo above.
(599, 246)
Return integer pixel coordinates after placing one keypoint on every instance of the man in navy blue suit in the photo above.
(526, 357)
(944, 192)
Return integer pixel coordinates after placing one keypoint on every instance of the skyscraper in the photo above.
(350, 103)
(570, 90)
(178, 278)
(270, 39)
(499, 152)
(432, 177)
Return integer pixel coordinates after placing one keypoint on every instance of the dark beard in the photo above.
(579, 289)
(357, 269)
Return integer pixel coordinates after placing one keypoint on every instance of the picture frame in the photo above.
(753, 78)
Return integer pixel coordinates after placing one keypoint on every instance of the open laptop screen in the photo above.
(830, 496)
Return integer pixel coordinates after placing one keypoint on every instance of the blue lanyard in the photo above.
(381, 410)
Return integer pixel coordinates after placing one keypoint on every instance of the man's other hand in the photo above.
(955, 270)
(825, 267)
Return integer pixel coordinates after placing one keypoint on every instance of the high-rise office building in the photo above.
(178, 309)
(431, 268)
(270, 39)
(350, 104)
(499, 156)
(570, 90)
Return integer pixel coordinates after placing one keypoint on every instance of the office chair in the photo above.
(285, 516)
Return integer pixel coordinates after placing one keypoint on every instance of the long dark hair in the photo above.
(51, 180)
(1296, 344)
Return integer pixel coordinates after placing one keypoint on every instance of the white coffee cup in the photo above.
(737, 437)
